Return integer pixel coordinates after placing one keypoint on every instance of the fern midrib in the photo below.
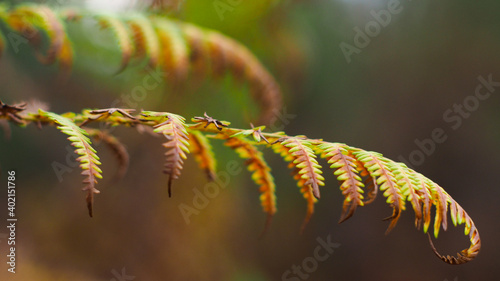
(353, 187)
(390, 180)
(310, 172)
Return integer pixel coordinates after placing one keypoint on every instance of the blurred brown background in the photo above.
(394, 91)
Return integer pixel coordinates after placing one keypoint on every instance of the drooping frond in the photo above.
(261, 172)
(359, 171)
(202, 151)
(345, 170)
(174, 130)
(115, 146)
(179, 48)
(88, 158)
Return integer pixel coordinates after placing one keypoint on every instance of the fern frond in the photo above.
(175, 46)
(115, 146)
(88, 158)
(174, 130)
(345, 170)
(203, 154)
(376, 165)
(121, 35)
(351, 165)
(261, 172)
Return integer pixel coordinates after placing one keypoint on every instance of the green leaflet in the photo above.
(88, 158)
(261, 172)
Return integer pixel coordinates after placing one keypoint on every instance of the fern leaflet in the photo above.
(202, 151)
(261, 172)
(88, 158)
(174, 130)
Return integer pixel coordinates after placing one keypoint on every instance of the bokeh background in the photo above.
(393, 92)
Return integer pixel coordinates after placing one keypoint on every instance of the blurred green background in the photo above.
(393, 92)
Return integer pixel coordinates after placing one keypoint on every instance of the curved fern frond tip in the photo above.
(88, 158)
